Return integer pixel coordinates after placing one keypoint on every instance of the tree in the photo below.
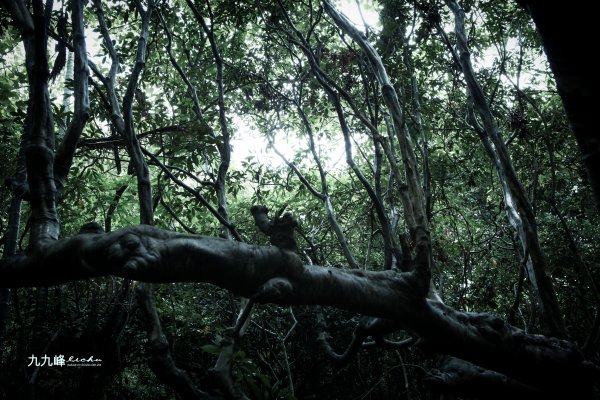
(416, 201)
(573, 74)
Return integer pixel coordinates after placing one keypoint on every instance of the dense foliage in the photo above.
(269, 81)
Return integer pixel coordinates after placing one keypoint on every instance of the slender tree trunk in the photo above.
(67, 93)
(519, 209)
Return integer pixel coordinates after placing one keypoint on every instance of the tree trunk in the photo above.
(565, 31)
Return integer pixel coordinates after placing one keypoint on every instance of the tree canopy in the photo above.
(297, 199)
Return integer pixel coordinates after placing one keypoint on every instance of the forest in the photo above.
(277, 199)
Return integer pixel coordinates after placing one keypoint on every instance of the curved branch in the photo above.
(194, 193)
(225, 147)
(324, 194)
(66, 151)
(335, 93)
(375, 327)
(518, 207)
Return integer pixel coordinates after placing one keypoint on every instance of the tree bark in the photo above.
(565, 32)
(270, 274)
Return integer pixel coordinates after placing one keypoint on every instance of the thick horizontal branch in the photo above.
(270, 274)
(145, 253)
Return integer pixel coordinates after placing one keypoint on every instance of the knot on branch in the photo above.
(280, 229)
(274, 289)
(133, 253)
